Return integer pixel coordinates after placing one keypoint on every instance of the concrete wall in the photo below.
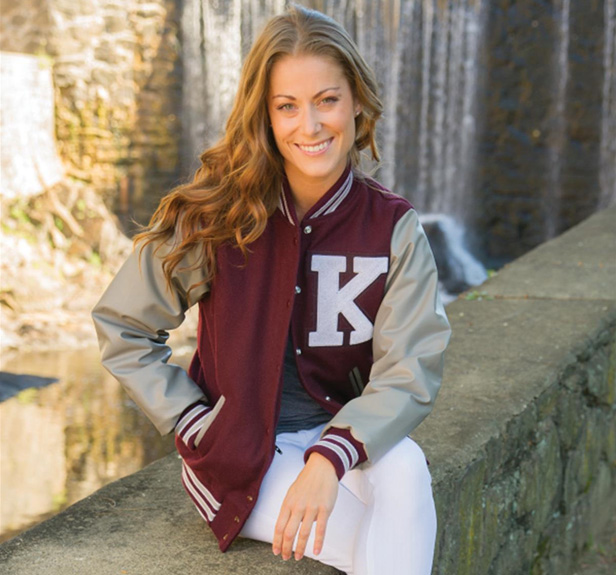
(522, 442)
(523, 438)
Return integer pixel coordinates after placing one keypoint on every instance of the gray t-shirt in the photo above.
(297, 409)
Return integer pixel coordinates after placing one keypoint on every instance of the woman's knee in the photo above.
(403, 469)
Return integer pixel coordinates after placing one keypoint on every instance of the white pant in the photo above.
(383, 522)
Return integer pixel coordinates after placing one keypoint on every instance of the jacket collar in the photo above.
(328, 204)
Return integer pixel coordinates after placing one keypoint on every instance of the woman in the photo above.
(321, 333)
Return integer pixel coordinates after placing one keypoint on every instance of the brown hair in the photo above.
(237, 187)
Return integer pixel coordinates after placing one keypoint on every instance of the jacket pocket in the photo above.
(193, 425)
(209, 419)
(356, 381)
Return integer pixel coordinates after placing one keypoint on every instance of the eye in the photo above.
(288, 107)
(330, 100)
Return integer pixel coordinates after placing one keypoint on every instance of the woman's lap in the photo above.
(383, 494)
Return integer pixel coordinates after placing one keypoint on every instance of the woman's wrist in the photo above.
(316, 459)
(340, 448)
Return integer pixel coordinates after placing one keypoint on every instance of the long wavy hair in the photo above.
(237, 187)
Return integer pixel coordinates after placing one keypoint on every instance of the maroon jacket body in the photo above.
(323, 280)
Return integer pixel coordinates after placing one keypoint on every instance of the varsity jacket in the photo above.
(354, 284)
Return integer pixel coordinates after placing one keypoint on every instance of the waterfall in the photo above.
(400, 40)
(428, 137)
(458, 269)
(216, 36)
(553, 188)
(447, 126)
(424, 132)
(607, 174)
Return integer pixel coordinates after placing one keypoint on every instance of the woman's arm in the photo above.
(411, 333)
(132, 320)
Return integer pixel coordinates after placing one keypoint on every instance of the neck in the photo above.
(307, 192)
(303, 201)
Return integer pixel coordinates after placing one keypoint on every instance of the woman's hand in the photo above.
(311, 498)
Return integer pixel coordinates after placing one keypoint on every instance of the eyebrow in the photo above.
(319, 93)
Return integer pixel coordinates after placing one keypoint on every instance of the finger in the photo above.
(304, 534)
(281, 523)
(290, 532)
(319, 534)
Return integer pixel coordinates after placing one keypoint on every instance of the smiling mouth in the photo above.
(316, 148)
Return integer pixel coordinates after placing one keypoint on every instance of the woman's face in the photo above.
(312, 112)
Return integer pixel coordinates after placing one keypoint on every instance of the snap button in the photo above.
(308, 230)
(328, 398)
(249, 498)
(298, 351)
(224, 537)
(298, 289)
(236, 519)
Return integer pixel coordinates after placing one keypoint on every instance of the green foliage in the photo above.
(27, 396)
(59, 500)
(45, 61)
(18, 213)
(95, 259)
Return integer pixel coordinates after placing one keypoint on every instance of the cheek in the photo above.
(281, 129)
(349, 127)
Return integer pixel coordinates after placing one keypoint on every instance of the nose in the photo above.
(311, 123)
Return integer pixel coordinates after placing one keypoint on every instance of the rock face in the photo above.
(549, 120)
(59, 242)
(116, 73)
(59, 251)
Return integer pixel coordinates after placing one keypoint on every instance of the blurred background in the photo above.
(500, 128)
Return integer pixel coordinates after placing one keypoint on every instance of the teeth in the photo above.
(317, 148)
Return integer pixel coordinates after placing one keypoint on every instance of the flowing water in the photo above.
(553, 189)
(607, 175)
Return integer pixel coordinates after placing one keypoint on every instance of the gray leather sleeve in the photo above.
(132, 321)
(411, 333)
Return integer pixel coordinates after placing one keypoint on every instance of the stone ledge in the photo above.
(522, 442)
(142, 524)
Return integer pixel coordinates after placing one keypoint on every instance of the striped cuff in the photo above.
(341, 449)
(190, 423)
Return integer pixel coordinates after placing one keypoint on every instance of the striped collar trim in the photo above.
(328, 204)
(283, 205)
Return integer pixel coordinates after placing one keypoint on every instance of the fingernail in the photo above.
(276, 551)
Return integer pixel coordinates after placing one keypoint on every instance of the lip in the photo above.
(316, 148)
